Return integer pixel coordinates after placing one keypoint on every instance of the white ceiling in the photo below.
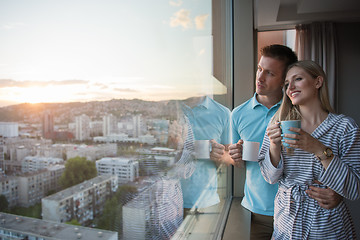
(282, 14)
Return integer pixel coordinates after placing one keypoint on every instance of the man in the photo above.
(249, 122)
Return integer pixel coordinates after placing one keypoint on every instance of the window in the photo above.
(284, 37)
(141, 83)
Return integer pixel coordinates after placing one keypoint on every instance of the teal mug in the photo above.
(286, 125)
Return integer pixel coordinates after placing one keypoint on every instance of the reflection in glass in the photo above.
(101, 105)
(209, 121)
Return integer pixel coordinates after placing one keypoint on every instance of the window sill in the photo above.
(201, 225)
(207, 223)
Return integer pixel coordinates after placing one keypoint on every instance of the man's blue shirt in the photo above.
(209, 120)
(249, 122)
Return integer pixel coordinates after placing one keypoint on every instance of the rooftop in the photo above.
(110, 160)
(51, 230)
(79, 187)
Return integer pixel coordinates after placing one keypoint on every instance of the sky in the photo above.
(85, 50)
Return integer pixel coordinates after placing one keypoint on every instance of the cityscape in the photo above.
(130, 143)
(90, 123)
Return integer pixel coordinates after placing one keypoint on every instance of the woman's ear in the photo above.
(319, 82)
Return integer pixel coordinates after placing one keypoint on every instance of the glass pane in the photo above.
(107, 109)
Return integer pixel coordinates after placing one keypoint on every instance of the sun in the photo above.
(38, 94)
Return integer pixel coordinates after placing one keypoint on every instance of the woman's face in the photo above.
(301, 87)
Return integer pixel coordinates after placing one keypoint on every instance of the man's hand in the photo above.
(326, 197)
(220, 153)
(235, 152)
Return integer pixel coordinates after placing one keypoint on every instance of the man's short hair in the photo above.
(280, 52)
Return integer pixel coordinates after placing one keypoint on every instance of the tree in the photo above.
(50, 192)
(107, 219)
(32, 211)
(64, 156)
(77, 170)
(111, 219)
(74, 222)
(4, 204)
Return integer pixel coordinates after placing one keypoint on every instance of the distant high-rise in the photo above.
(48, 126)
(2, 155)
(137, 126)
(82, 127)
(109, 125)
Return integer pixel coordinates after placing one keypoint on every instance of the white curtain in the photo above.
(317, 42)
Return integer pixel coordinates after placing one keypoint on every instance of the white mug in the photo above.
(202, 149)
(250, 151)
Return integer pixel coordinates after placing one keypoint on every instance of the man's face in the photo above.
(269, 76)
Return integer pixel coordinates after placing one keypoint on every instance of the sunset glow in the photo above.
(128, 52)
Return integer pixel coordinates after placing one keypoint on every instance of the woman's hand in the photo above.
(274, 133)
(326, 197)
(304, 141)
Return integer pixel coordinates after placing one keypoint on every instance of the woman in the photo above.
(326, 150)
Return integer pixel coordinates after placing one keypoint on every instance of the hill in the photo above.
(66, 112)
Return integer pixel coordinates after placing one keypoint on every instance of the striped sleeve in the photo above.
(343, 173)
(270, 173)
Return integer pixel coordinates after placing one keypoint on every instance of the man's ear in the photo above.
(319, 82)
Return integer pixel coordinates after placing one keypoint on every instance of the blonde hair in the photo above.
(287, 110)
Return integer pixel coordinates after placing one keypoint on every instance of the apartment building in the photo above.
(9, 129)
(27, 189)
(9, 188)
(147, 139)
(92, 152)
(156, 212)
(50, 151)
(18, 148)
(127, 170)
(109, 125)
(31, 164)
(19, 227)
(82, 202)
(82, 127)
(48, 125)
(22, 152)
(33, 186)
(96, 128)
(2, 155)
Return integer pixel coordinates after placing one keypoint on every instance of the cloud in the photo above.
(176, 3)
(6, 83)
(201, 52)
(181, 18)
(156, 86)
(129, 90)
(9, 26)
(200, 21)
(100, 85)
